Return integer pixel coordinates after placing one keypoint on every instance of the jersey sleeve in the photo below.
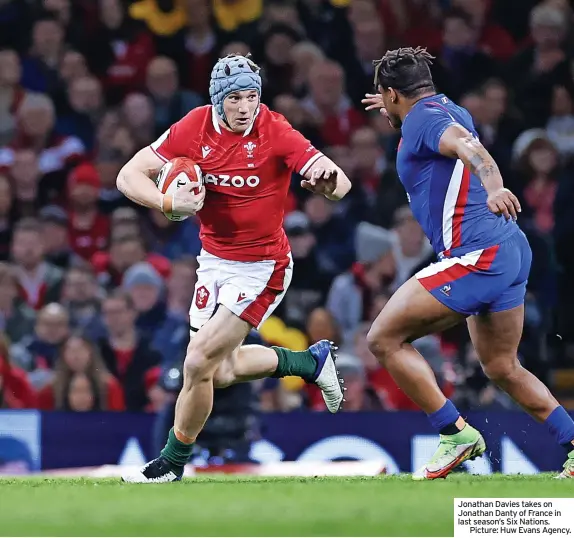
(295, 150)
(426, 126)
(175, 141)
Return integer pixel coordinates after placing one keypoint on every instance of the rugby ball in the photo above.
(175, 174)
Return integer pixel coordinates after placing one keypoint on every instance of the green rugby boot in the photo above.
(452, 450)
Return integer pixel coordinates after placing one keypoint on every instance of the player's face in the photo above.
(391, 110)
(240, 108)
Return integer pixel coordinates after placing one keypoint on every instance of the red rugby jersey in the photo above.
(247, 177)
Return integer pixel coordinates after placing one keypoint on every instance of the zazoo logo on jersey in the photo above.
(225, 180)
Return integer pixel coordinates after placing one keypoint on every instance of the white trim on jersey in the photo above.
(450, 203)
(155, 145)
(214, 120)
(471, 258)
(308, 164)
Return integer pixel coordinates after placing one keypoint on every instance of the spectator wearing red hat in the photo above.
(89, 229)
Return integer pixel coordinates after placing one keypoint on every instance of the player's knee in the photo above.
(223, 377)
(197, 366)
(381, 343)
(501, 370)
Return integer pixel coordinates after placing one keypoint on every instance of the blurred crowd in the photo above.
(95, 291)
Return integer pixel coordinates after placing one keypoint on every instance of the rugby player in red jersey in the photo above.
(247, 154)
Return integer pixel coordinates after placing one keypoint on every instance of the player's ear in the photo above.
(393, 95)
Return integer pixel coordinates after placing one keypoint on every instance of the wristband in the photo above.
(167, 204)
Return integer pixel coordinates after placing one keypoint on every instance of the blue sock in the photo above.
(561, 426)
(443, 420)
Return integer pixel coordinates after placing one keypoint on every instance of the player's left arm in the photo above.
(326, 178)
(322, 175)
(458, 142)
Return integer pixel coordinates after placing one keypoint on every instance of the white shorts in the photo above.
(251, 290)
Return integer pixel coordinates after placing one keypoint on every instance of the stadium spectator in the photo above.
(322, 325)
(88, 228)
(330, 106)
(40, 66)
(169, 102)
(81, 381)
(108, 164)
(353, 291)
(500, 124)
(167, 332)
(11, 93)
(16, 317)
(303, 57)
(138, 116)
(535, 71)
(278, 43)
(125, 251)
(537, 175)
(181, 286)
(369, 41)
(309, 284)
(55, 153)
(460, 65)
(492, 38)
(26, 178)
(37, 352)
(73, 66)
(127, 355)
(120, 51)
(82, 296)
(55, 237)
(172, 239)
(410, 247)
(114, 138)
(82, 109)
(334, 236)
(560, 126)
(196, 50)
(39, 282)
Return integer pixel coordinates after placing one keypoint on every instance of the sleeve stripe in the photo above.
(315, 157)
(159, 154)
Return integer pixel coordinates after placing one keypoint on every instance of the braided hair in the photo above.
(406, 70)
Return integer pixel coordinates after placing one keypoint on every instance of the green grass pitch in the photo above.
(237, 506)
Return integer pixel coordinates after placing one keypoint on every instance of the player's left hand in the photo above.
(323, 181)
(503, 202)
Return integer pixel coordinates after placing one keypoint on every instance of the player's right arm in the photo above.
(135, 179)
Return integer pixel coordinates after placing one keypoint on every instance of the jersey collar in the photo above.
(217, 126)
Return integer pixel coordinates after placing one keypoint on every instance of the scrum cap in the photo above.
(232, 74)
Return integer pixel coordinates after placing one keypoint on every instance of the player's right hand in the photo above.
(186, 202)
(503, 202)
(374, 101)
